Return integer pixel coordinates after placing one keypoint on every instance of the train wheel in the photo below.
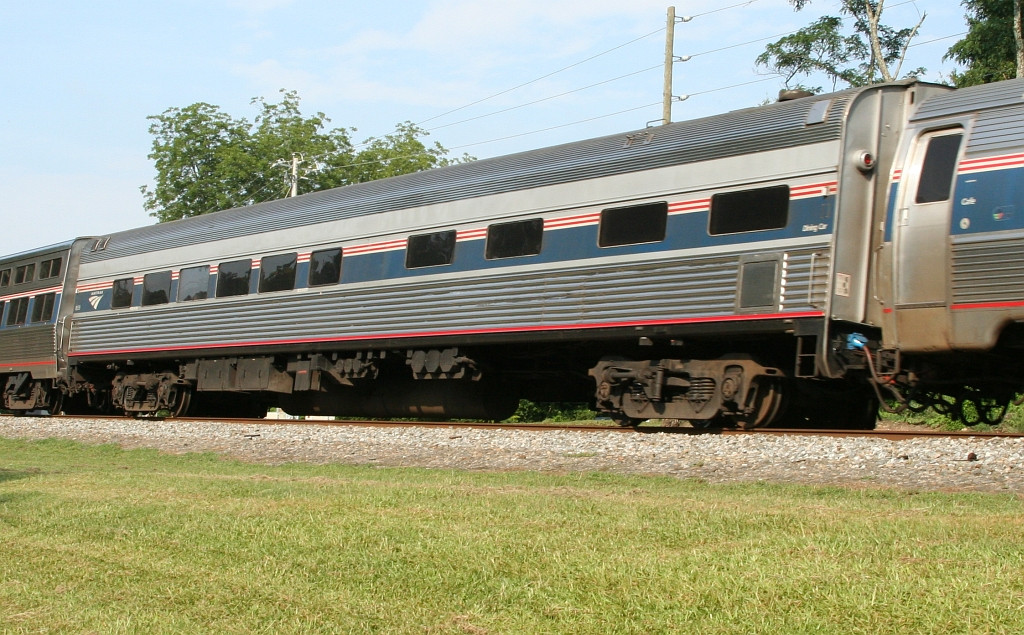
(184, 400)
(766, 403)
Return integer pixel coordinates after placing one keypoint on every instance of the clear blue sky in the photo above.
(80, 78)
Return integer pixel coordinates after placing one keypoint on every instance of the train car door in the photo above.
(921, 239)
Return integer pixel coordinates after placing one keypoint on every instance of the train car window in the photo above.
(233, 278)
(156, 288)
(325, 267)
(753, 210)
(939, 166)
(5, 278)
(518, 238)
(42, 309)
(430, 250)
(49, 268)
(277, 273)
(122, 293)
(1, 309)
(17, 312)
(193, 283)
(25, 273)
(633, 225)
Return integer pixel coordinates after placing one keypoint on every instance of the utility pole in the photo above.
(670, 59)
(296, 159)
(670, 41)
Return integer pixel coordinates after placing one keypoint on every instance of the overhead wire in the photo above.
(604, 82)
(549, 129)
(594, 85)
(543, 77)
(543, 99)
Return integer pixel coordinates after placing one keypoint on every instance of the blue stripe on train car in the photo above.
(684, 231)
(988, 202)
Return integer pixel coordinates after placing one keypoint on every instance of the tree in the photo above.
(208, 161)
(872, 52)
(993, 49)
(401, 152)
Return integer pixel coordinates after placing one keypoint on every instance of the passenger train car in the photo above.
(800, 261)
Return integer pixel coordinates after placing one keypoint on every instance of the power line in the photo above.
(621, 112)
(565, 125)
(938, 39)
(537, 101)
(732, 6)
(534, 81)
(550, 128)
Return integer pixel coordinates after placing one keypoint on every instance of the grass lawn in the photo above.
(96, 539)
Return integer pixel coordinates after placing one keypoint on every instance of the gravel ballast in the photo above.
(940, 463)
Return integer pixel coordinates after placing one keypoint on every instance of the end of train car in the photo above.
(34, 287)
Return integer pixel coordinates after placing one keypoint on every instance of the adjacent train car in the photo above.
(792, 262)
(33, 321)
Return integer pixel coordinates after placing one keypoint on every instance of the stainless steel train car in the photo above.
(797, 262)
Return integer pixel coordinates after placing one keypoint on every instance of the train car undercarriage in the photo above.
(728, 390)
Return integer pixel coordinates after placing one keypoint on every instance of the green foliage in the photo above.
(989, 50)
(872, 52)
(531, 412)
(208, 161)
(1013, 422)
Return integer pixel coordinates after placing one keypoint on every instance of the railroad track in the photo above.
(890, 434)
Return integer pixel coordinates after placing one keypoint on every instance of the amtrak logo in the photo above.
(94, 301)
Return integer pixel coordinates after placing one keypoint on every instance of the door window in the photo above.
(939, 166)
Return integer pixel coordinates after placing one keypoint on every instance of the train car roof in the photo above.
(32, 253)
(780, 125)
(972, 99)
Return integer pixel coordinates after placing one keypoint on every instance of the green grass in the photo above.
(1012, 422)
(96, 539)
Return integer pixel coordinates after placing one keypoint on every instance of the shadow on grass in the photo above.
(14, 475)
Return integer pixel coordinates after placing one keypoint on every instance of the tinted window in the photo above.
(520, 238)
(42, 308)
(633, 225)
(122, 293)
(25, 273)
(277, 273)
(325, 267)
(17, 312)
(5, 277)
(430, 250)
(193, 283)
(49, 268)
(939, 167)
(749, 210)
(1, 309)
(233, 278)
(156, 288)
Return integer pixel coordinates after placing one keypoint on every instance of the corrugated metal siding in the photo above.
(997, 132)
(689, 288)
(972, 99)
(807, 280)
(989, 271)
(752, 130)
(27, 344)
